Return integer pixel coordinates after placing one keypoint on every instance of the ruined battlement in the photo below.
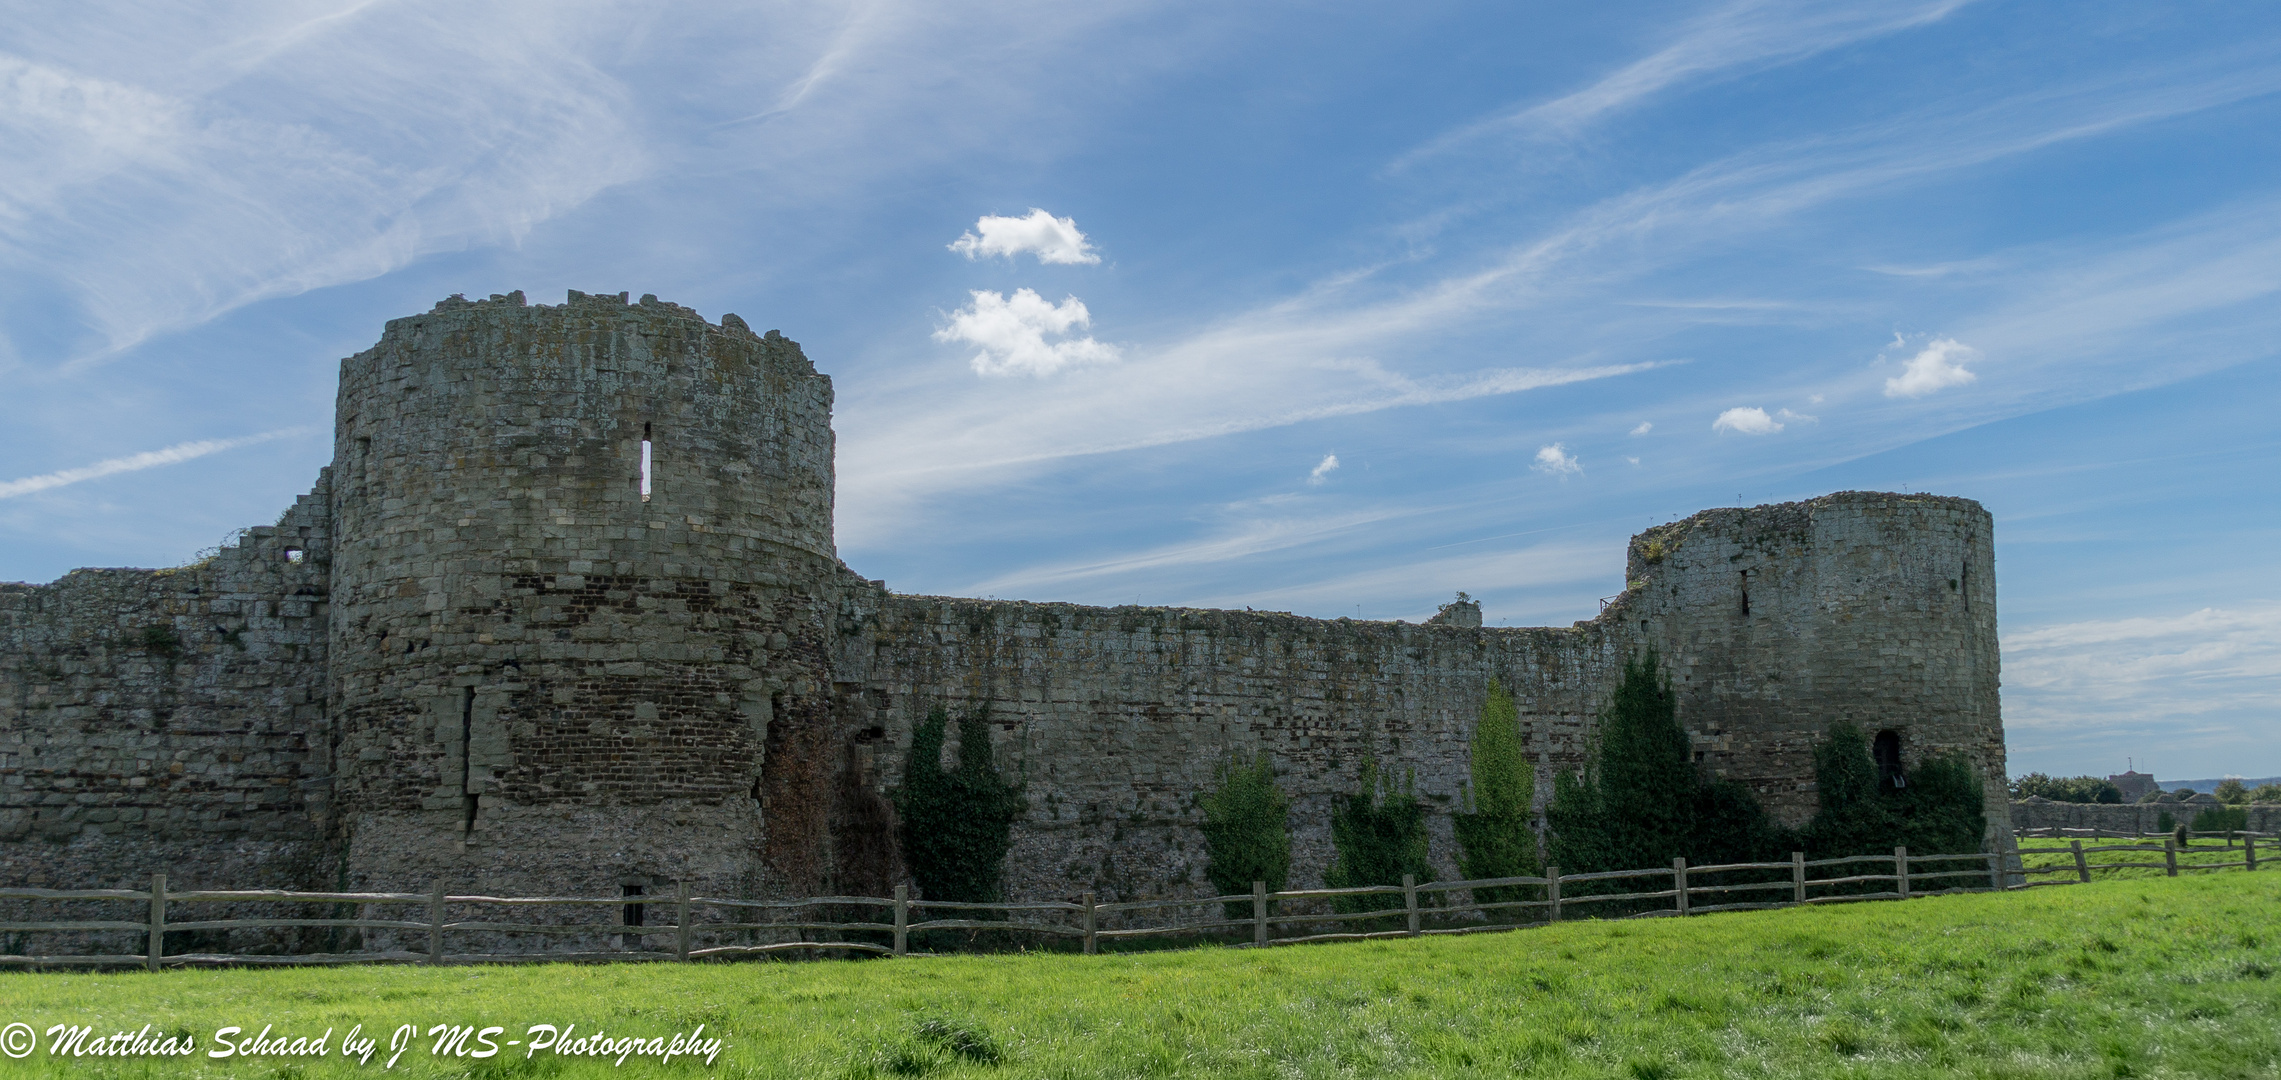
(565, 616)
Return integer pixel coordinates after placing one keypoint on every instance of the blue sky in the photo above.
(1331, 309)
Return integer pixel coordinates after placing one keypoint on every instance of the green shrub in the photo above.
(2220, 819)
(2163, 822)
(2266, 793)
(1493, 837)
(957, 824)
(1247, 833)
(2232, 792)
(1380, 834)
(2074, 789)
(1938, 808)
(1641, 802)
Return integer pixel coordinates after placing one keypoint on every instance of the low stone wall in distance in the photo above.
(2040, 813)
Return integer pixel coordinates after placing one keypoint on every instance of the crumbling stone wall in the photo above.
(478, 655)
(170, 720)
(1868, 608)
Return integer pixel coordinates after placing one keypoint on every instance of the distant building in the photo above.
(2134, 785)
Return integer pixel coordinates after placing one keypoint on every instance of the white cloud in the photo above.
(1323, 471)
(1631, 459)
(1054, 240)
(1752, 421)
(2144, 672)
(148, 459)
(1644, 427)
(1557, 461)
(1939, 366)
(159, 177)
(1786, 416)
(1012, 333)
(1732, 40)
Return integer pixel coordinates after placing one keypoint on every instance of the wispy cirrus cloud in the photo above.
(1341, 346)
(260, 152)
(1734, 40)
(2153, 683)
(148, 459)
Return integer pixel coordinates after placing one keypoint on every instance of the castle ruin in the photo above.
(564, 616)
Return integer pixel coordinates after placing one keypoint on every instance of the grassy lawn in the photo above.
(2144, 977)
(2038, 853)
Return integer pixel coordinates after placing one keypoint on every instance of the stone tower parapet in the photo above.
(579, 599)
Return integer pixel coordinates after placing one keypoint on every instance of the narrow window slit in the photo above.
(645, 462)
(467, 754)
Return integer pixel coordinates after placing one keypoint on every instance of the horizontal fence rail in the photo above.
(421, 922)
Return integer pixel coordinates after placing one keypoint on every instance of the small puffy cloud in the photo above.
(1012, 333)
(1556, 460)
(1644, 427)
(1938, 366)
(1329, 465)
(1052, 239)
(1751, 421)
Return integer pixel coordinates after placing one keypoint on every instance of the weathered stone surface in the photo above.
(2039, 813)
(477, 655)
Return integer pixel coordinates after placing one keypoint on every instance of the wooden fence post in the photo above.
(1410, 900)
(436, 925)
(902, 919)
(1092, 944)
(2082, 868)
(1552, 891)
(2170, 854)
(1259, 913)
(157, 920)
(1679, 884)
(681, 920)
(1901, 871)
(2249, 850)
(1798, 876)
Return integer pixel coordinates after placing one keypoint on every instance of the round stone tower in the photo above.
(581, 597)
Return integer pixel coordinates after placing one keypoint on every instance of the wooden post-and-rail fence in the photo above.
(1679, 890)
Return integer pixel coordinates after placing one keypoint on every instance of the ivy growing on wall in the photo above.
(1935, 808)
(957, 823)
(1641, 802)
(1247, 834)
(1380, 834)
(1493, 835)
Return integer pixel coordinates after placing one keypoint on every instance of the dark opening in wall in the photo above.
(1744, 578)
(466, 755)
(630, 915)
(1887, 751)
(645, 462)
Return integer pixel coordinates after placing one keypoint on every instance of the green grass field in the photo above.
(2147, 977)
(2039, 853)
